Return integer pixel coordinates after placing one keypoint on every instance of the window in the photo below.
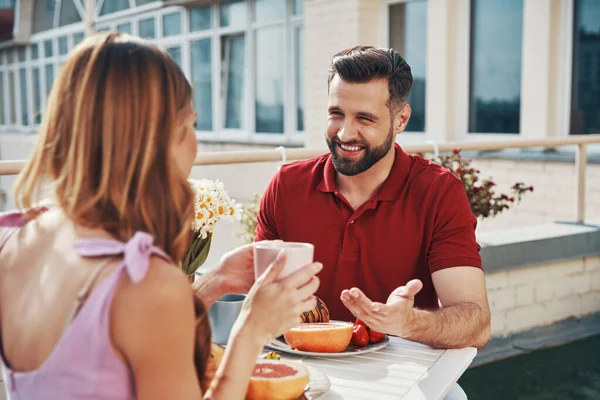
(233, 86)
(23, 81)
(202, 81)
(111, 6)
(37, 107)
(408, 36)
(2, 118)
(43, 15)
(125, 27)
(175, 53)
(63, 46)
(269, 80)
(171, 24)
(78, 38)
(146, 28)
(68, 13)
(200, 18)
(585, 83)
(268, 10)
(233, 13)
(495, 87)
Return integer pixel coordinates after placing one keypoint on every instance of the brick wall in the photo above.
(526, 298)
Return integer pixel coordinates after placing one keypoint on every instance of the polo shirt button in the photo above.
(351, 222)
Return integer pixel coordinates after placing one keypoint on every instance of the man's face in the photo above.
(360, 128)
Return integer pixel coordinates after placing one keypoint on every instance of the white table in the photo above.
(402, 370)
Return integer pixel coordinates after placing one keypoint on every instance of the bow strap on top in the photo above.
(137, 252)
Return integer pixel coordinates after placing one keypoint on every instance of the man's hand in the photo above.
(392, 318)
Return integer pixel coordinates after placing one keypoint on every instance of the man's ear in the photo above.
(401, 118)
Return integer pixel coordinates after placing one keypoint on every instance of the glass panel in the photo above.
(585, 86)
(171, 24)
(49, 69)
(2, 120)
(111, 6)
(233, 89)
(9, 56)
(35, 50)
(78, 38)
(299, 79)
(24, 83)
(146, 28)
(202, 83)
(125, 27)
(496, 41)
(48, 50)
(68, 13)
(43, 15)
(298, 7)
(269, 80)
(268, 10)
(63, 46)
(233, 12)
(21, 54)
(37, 90)
(175, 53)
(11, 98)
(142, 2)
(408, 36)
(200, 18)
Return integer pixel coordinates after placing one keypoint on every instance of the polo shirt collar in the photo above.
(392, 186)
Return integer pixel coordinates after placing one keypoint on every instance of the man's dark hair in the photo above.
(362, 64)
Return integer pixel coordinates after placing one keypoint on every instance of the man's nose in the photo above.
(347, 132)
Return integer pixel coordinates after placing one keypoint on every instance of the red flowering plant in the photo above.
(485, 202)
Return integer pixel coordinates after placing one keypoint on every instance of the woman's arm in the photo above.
(153, 330)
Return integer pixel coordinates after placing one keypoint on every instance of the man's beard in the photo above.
(349, 167)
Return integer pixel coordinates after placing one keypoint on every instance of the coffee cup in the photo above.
(222, 316)
(298, 255)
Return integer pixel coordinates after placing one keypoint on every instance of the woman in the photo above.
(91, 304)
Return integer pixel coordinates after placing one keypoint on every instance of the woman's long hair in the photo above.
(105, 143)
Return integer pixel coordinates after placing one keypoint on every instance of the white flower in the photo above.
(211, 203)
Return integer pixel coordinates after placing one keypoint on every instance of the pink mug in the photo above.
(298, 255)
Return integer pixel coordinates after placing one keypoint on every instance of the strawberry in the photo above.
(359, 322)
(375, 337)
(360, 336)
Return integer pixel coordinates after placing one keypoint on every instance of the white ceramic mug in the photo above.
(298, 255)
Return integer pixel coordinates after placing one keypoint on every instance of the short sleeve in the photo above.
(454, 243)
(266, 228)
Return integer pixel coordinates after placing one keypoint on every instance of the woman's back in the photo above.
(50, 352)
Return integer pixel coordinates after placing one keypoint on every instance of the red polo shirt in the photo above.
(419, 222)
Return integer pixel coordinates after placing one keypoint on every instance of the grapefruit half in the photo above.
(277, 380)
(327, 337)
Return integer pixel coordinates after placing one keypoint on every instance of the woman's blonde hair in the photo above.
(111, 119)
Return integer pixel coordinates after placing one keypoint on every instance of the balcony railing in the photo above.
(255, 156)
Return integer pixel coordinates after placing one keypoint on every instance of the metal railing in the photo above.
(268, 155)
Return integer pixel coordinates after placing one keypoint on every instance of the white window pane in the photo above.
(202, 83)
(269, 80)
(585, 89)
(496, 43)
(200, 18)
(408, 36)
(125, 27)
(35, 51)
(298, 7)
(68, 13)
(233, 12)
(49, 69)
(21, 53)
(11, 98)
(146, 28)
(24, 84)
(2, 118)
(63, 46)
(48, 50)
(111, 6)
(268, 10)
(233, 88)
(43, 15)
(171, 24)
(37, 90)
(78, 38)
(175, 53)
(299, 78)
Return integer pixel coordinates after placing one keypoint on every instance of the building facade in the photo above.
(483, 69)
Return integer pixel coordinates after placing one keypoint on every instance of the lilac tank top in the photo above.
(83, 364)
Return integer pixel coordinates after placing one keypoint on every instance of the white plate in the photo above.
(318, 385)
(279, 344)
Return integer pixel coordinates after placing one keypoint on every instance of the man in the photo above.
(394, 232)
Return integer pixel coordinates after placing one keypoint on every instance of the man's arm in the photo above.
(266, 228)
(463, 320)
